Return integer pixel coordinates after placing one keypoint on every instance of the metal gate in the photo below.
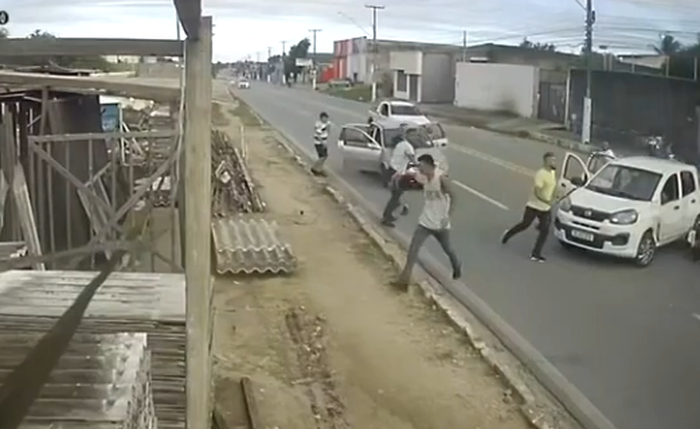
(552, 103)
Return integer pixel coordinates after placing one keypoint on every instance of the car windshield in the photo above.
(625, 182)
(405, 110)
(417, 139)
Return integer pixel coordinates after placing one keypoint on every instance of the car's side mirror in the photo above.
(578, 181)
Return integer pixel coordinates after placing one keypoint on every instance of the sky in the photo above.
(246, 29)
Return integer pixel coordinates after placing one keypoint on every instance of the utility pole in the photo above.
(373, 70)
(314, 66)
(587, 102)
(464, 46)
(267, 64)
(284, 50)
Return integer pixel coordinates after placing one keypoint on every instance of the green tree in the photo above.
(668, 45)
(526, 44)
(300, 50)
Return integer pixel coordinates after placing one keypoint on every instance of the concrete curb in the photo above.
(435, 294)
(548, 399)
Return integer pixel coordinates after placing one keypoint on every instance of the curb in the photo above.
(435, 294)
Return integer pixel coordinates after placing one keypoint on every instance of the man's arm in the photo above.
(446, 186)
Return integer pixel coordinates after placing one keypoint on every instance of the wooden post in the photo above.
(197, 186)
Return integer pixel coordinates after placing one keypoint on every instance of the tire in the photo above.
(646, 250)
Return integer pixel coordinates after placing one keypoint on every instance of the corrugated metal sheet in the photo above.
(250, 246)
(31, 301)
(102, 381)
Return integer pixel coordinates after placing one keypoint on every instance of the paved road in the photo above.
(629, 339)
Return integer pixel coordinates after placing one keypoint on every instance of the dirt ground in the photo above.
(334, 345)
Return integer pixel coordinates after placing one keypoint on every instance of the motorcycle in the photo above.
(657, 147)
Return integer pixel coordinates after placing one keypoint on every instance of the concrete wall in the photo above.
(164, 70)
(629, 107)
(411, 62)
(438, 78)
(497, 87)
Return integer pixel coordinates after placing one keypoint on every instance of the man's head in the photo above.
(426, 164)
(606, 146)
(323, 117)
(550, 161)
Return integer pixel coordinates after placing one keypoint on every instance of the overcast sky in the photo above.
(248, 28)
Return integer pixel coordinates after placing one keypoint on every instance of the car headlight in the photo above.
(624, 217)
(565, 205)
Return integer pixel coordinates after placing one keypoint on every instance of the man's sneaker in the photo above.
(388, 222)
(540, 259)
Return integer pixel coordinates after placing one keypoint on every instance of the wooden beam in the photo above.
(197, 192)
(121, 87)
(189, 12)
(24, 47)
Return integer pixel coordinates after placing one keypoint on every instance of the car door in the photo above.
(689, 198)
(358, 149)
(597, 161)
(573, 167)
(671, 217)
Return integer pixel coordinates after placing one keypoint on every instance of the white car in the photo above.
(400, 111)
(368, 147)
(629, 208)
(243, 84)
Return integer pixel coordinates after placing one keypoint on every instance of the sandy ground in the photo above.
(333, 345)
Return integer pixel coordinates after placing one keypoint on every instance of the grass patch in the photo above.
(243, 112)
(356, 92)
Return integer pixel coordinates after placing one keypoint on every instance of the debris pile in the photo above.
(233, 191)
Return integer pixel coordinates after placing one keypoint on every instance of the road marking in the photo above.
(492, 159)
(480, 195)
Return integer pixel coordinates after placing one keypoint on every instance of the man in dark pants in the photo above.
(539, 206)
(402, 155)
(321, 129)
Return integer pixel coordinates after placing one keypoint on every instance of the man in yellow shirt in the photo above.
(539, 206)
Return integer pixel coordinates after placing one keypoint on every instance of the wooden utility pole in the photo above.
(373, 69)
(314, 63)
(197, 186)
(464, 46)
(587, 102)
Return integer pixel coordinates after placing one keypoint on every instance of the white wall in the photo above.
(411, 62)
(357, 63)
(498, 87)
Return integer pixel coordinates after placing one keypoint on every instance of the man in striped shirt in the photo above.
(321, 130)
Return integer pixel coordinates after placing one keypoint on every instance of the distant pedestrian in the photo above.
(434, 220)
(402, 156)
(539, 206)
(321, 130)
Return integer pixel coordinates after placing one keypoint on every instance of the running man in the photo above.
(539, 206)
(434, 220)
(403, 154)
(321, 130)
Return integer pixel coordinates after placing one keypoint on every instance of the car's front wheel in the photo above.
(646, 250)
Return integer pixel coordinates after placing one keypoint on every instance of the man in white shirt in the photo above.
(401, 157)
(321, 130)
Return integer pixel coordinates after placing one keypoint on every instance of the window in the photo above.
(384, 110)
(625, 182)
(688, 184)
(405, 110)
(669, 193)
(354, 137)
(401, 81)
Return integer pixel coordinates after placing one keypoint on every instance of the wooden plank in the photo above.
(189, 13)
(197, 186)
(24, 47)
(81, 137)
(20, 191)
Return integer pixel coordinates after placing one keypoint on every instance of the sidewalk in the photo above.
(536, 129)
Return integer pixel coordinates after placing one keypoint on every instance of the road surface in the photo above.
(628, 338)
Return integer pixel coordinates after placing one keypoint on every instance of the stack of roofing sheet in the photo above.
(101, 382)
(32, 301)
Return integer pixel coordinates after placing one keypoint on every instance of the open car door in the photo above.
(597, 161)
(358, 149)
(572, 169)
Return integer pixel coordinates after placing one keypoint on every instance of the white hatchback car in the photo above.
(243, 84)
(628, 208)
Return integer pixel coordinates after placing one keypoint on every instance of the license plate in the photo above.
(582, 235)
